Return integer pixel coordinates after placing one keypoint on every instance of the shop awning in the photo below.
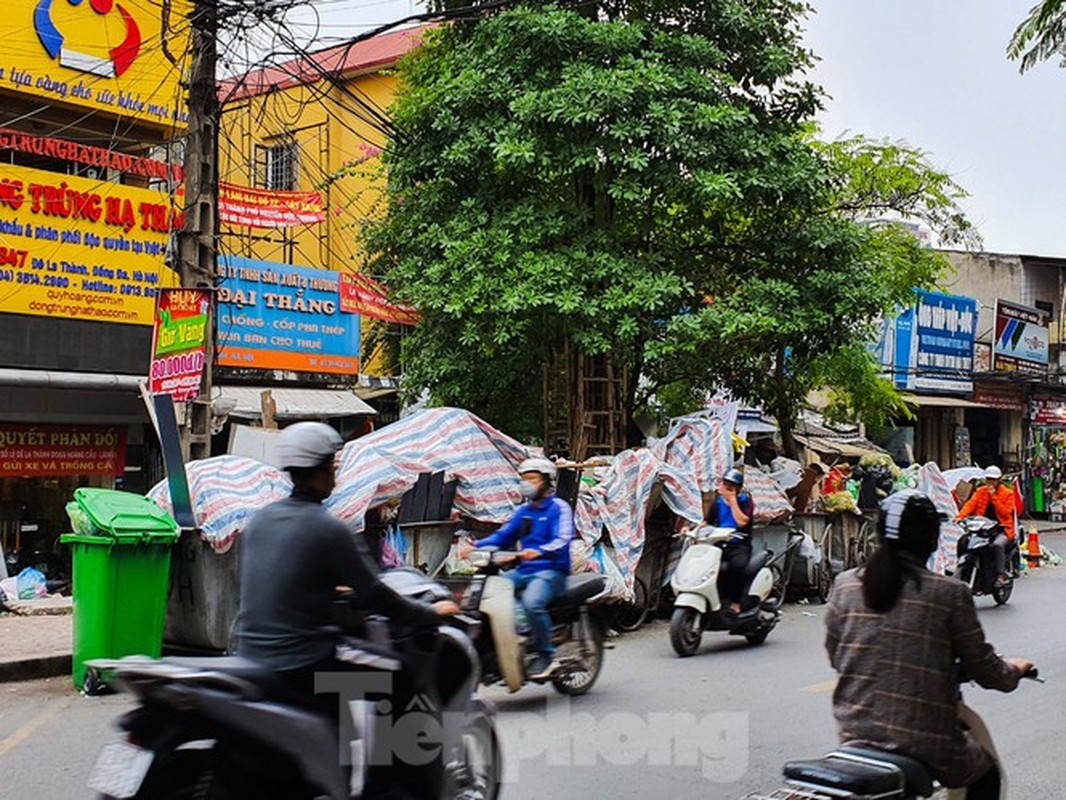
(296, 403)
(833, 448)
(939, 401)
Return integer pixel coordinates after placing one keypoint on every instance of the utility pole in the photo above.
(197, 250)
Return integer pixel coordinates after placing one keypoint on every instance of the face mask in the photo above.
(528, 490)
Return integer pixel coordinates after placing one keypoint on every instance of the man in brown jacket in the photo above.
(894, 633)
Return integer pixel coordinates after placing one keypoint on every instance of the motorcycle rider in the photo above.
(997, 496)
(294, 556)
(733, 508)
(545, 526)
(894, 632)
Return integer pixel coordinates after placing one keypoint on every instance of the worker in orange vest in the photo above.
(1001, 499)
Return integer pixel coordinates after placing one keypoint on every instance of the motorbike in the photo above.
(697, 605)
(225, 727)
(578, 633)
(864, 773)
(976, 559)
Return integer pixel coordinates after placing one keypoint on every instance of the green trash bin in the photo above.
(121, 557)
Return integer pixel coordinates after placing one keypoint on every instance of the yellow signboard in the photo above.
(81, 249)
(108, 55)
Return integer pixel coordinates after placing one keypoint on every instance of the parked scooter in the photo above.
(577, 632)
(976, 564)
(697, 605)
(227, 728)
(854, 772)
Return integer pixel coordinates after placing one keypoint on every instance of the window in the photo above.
(276, 166)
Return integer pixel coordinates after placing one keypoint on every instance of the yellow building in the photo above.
(297, 127)
(90, 100)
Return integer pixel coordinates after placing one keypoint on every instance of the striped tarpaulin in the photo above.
(384, 464)
(226, 491)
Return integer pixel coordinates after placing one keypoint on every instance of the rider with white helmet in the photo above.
(545, 526)
(294, 554)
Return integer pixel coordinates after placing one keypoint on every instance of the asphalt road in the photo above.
(717, 725)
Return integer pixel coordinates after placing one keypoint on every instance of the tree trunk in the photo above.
(788, 441)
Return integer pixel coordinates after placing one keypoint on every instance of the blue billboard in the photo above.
(930, 346)
(279, 317)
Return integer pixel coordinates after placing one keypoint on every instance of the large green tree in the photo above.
(1041, 35)
(640, 185)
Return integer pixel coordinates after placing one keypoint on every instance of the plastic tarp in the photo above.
(931, 481)
(226, 492)
(386, 463)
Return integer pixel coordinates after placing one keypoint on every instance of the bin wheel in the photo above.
(94, 684)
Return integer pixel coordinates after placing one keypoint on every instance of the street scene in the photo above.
(508, 399)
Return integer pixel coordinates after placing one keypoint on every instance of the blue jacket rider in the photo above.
(545, 526)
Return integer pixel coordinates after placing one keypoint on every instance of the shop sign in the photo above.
(279, 317)
(262, 208)
(982, 357)
(1003, 398)
(1022, 339)
(104, 56)
(1048, 411)
(179, 343)
(80, 249)
(934, 344)
(365, 296)
(42, 451)
(90, 156)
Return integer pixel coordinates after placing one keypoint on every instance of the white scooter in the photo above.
(853, 772)
(698, 607)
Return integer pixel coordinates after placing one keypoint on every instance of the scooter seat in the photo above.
(918, 779)
(840, 776)
(263, 678)
(580, 588)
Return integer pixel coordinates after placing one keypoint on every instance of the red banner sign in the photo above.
(41, 451)
(264, 208)
(1004, 398)
(65, 150)
(362, 295)
(179, 343)
(1048, 411)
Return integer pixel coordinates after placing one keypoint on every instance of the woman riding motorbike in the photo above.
(897, 635)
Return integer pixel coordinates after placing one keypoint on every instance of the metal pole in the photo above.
(197, 251)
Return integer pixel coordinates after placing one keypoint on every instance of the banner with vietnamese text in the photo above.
(41, 451)
(363, 295)
(179, 343)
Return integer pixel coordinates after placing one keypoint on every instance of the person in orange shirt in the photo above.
(1000, 498)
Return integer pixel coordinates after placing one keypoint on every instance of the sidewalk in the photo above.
(36, 646)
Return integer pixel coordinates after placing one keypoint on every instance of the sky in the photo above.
(933, 73)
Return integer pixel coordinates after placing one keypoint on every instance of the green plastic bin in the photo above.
(121, 570)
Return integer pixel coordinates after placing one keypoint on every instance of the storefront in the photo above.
(996, 428)
(1046, 447)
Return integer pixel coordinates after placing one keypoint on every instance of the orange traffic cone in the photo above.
(1032, 548)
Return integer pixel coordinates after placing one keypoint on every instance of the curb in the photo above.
(30, 669)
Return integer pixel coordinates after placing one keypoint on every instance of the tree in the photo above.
(568, 186)
(1042, 35)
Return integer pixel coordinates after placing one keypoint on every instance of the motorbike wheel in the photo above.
(576, 681)
(776, 598)
(686, 631)
(759, 637)
(628, 617)
(477, 775)
(1001, 594)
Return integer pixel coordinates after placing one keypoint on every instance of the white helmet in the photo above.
(307, 445)
(538, 464)
(993, 473)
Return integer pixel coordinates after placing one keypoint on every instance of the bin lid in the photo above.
(124, 514)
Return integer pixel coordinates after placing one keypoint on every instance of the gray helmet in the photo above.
(909, 517)
(538, 464)
(306, 445)
(734, 476)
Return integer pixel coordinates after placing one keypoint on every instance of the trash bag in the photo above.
(394, 548)
(454, 565)
(31, 584)
(809, 551)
